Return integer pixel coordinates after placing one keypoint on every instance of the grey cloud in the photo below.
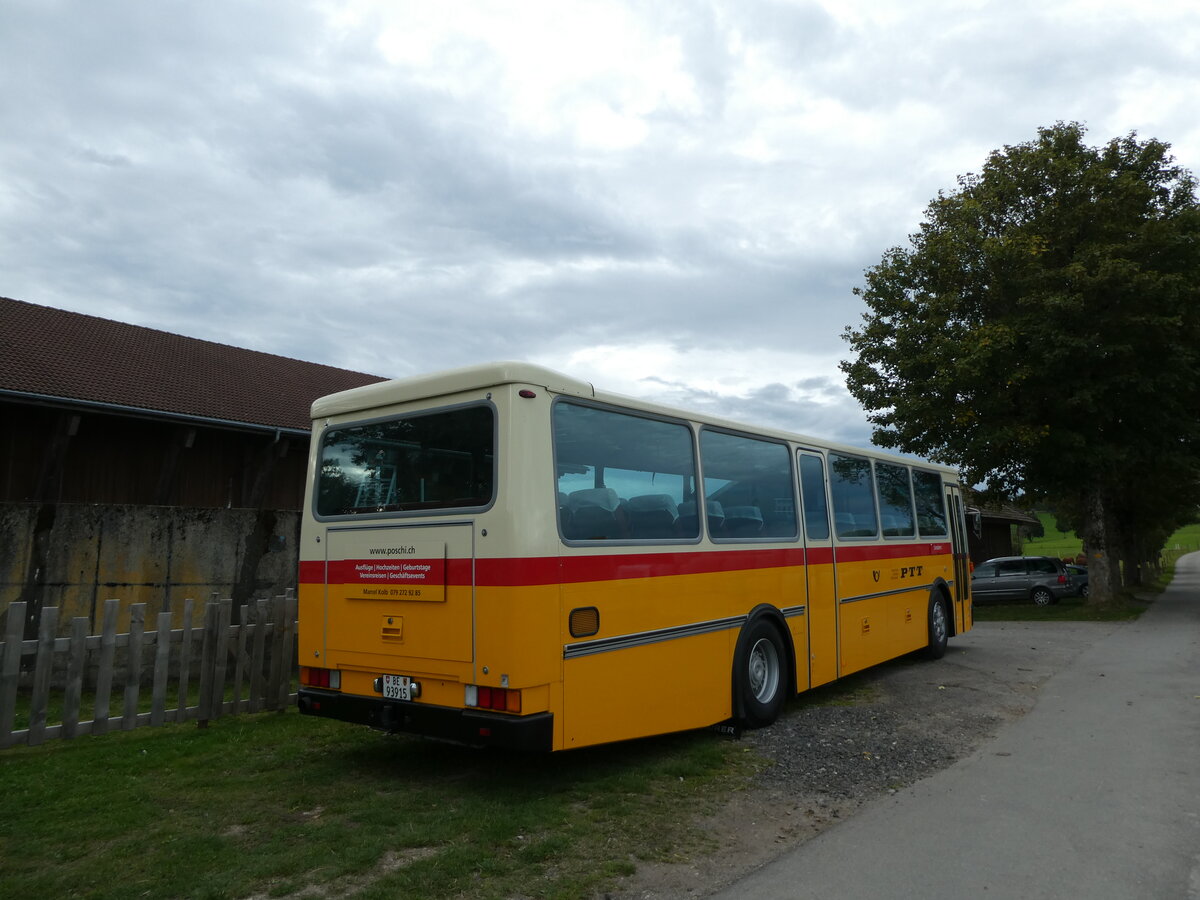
(243, 173)
(802, 33)
(775, 406)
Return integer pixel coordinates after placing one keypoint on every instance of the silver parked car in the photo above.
(1079, 578)
(1042, 579)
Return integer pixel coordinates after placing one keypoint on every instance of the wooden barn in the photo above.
(995, 531)
(144, 465)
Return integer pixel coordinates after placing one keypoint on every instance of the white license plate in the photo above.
(397, 687)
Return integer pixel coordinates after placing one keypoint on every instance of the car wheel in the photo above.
(1083, 592)
(758, 674)
(1041, 597)
(939, 627)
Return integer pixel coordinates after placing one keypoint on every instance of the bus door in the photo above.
(399, 600)
(822, 613)
(962, 558)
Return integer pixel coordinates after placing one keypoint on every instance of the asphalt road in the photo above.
(1094, 793)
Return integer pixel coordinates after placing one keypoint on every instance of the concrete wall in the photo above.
(76, 556)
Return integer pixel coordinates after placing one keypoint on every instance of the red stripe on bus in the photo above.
(889, 551)
(312, 572)
(820, 556)
(613, 567)
(605, 567)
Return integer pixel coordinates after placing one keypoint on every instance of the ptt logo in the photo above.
(908, 572)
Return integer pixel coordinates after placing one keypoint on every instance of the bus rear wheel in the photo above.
(939, 627)
(758, 674)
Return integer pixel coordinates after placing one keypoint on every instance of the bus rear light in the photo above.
(500, 699)
(330, 679)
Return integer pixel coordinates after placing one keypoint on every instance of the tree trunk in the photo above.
(1132, 572)
(1104, 572)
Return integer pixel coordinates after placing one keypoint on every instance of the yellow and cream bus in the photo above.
(503, 555)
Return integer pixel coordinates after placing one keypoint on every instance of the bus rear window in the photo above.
(431, 461)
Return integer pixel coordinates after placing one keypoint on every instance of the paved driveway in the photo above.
(1095, 793)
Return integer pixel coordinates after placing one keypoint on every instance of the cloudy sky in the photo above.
(671, 199)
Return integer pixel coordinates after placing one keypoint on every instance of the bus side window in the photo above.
(812, 488)
(931, 504)
(894, 492)
(751, 480)
(853, 491)
(624, 477)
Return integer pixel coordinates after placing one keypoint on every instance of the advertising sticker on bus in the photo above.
(415, 570)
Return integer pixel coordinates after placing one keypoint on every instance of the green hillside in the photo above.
(1065, 543)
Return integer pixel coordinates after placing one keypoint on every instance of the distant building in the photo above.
(119, 446)
(994, 531)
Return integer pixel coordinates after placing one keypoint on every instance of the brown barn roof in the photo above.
(1010, 514)
(54, 355)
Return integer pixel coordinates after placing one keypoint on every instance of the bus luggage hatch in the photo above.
(399, 592)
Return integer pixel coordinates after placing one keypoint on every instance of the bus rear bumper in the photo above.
(464, 726)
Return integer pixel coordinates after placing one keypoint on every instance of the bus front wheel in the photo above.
(759, 676)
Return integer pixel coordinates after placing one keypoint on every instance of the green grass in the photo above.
(1070, 609)
(56, 701)
(1185, 540)
(1061, 544)
(1052, 542)
(270, 804)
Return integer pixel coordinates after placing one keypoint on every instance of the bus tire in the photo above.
(939, 626)
(759, 674)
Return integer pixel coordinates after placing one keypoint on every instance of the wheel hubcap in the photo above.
(764, 670)
(939, 623)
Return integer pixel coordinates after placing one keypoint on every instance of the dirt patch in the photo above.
(832, 753)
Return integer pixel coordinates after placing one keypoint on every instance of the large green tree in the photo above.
(1042, 330)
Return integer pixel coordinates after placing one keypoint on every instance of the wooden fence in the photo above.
(215, 669)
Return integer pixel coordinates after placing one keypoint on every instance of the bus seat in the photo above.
(743, 521)
(716, 516)
(594, 514)
(689, 522)
(857, 526)
(653, 516)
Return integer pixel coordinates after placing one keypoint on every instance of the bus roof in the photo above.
(448, 381)
(494, 374)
